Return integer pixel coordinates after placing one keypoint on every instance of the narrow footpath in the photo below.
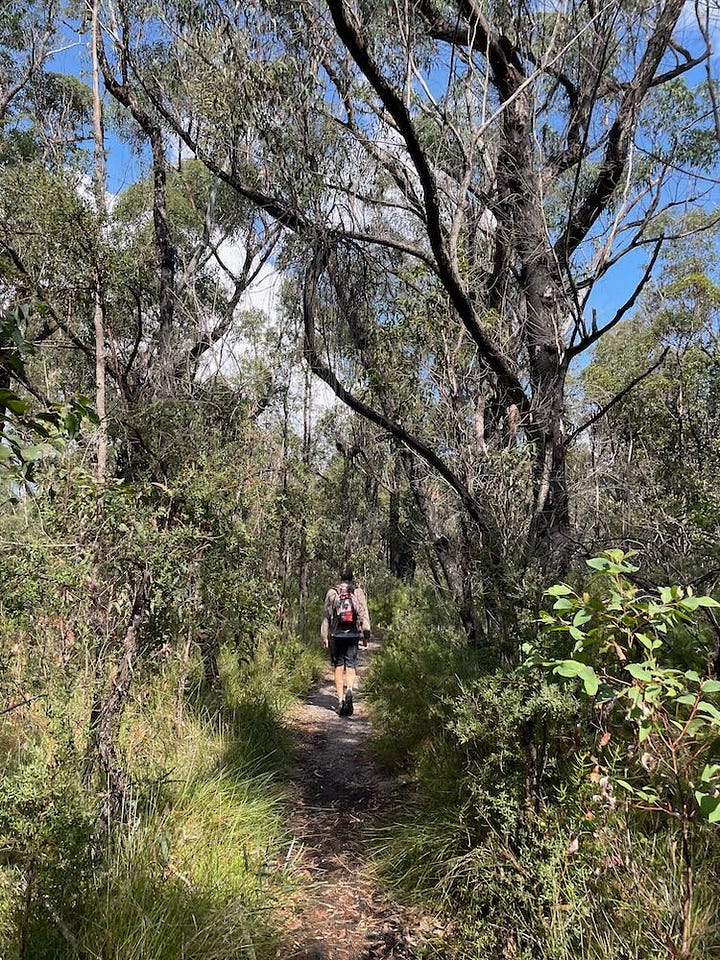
(339, 796)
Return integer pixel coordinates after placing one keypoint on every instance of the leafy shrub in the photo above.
(516, 830)
(199, 756)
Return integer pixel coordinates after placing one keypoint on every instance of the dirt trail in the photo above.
(338, 794)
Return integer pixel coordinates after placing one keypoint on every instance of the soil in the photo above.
(339, 796)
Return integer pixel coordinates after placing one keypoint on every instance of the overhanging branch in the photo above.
(356, 45)
(620, 137)
(597, 333)
(399, 433)
(616, 399)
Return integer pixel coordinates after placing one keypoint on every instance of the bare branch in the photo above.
(616, 399)
(447, 268)
(620, 136)
(36, 57)
(597, 333)
(369, 413)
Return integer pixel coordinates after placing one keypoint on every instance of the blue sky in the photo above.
(125, 166)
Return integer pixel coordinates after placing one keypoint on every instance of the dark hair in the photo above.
(346, 574)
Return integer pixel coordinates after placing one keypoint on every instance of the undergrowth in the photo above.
(514, 834)
(198, 858)
(194, 863)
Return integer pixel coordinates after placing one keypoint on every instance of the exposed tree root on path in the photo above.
(339, 795)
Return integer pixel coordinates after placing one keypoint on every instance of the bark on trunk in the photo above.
(399, 554)
(114, 706)
(522, 229)
(99, 311)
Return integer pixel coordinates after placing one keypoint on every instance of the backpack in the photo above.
(345, 610)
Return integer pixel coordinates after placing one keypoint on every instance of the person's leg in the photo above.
(351, 658)
(337, 660)
(339, 682)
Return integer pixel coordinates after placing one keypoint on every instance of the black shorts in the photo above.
(344, 651)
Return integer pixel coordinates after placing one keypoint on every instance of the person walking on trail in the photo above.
(345, 622)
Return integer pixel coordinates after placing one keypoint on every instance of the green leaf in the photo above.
(598, 563)
(576, 634)
(644, 729)
(590, 681)
(709, 772)
(569, 668)
(707, 602)
(37, 451)
(559, 590)
(709, 710)
(563, 604)
(639, 671)
(692, 675)
(13, 403)
(709, 806)
(617, 556)
(711, 686)
(581, 617)
(687, 699)
(690, 603)
(605, 694)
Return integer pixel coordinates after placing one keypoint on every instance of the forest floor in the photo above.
(339, 796)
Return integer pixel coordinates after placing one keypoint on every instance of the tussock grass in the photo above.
(196, 878)
(198, 860)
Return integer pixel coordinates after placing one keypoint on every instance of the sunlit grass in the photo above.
(199, 857)
(196, 878)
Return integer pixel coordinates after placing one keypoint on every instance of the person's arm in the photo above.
(325, 624)
(364, 615)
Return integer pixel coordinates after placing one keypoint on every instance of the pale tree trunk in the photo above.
(303, 558)
(101, 209)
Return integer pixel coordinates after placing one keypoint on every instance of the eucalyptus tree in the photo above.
(512, 158)
(26, 34)
(655, 453)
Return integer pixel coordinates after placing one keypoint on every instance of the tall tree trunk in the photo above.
(303, 556)
(522, 229)
(99, 292)
(451, 555)
(166, 257)
(167, 254)
(112, 710)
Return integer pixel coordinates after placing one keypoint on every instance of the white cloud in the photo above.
(231, 352)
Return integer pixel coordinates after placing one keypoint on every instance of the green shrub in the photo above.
(515, 831)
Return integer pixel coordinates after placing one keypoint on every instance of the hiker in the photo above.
(346, 620)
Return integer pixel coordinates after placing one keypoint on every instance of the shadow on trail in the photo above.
(339, 797)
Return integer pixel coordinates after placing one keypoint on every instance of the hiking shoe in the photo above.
(341, 709)
(348, 703)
